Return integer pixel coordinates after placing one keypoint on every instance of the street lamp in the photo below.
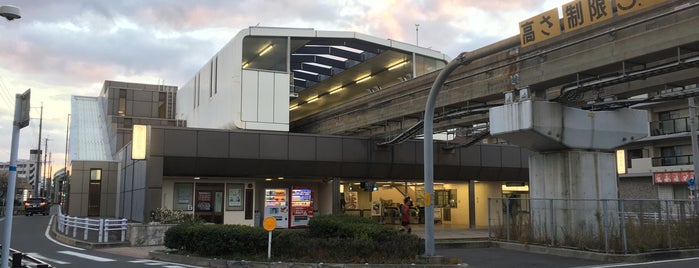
(21, 120)
(10, 12)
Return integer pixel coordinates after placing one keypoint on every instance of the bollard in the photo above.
(17, 260)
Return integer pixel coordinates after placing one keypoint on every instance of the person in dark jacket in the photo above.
(405, 214)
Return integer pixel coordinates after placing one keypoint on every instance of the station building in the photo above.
(222, 146)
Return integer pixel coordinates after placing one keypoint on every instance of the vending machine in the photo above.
(276, 206)
(301, 207)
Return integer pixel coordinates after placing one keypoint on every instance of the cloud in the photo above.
(63, 48)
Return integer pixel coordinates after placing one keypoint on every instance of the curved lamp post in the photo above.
(21, 120)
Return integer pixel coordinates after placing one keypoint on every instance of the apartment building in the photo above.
(660, 165)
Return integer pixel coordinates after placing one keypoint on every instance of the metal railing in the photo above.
(677, 160)
(670, 126)
(103, 227)
(608, 225)
(19, 260)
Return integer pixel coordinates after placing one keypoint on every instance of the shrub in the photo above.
(329, 238)
(164, 215)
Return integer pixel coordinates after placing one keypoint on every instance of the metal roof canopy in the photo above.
(320, 61)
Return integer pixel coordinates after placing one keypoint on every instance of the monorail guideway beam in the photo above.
(573, 159)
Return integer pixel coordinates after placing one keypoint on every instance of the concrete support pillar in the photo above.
(573, 193)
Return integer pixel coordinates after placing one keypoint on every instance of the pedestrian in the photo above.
(405, 214)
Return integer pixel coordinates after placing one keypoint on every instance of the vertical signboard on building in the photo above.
(578, 14)
(627, 6)
(539, 28)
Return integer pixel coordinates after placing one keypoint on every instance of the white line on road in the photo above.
(638, 264)
(85, 256)
(48, 236)
(166, 264)
(38, 256)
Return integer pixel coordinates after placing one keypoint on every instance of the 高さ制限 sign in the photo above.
(539, 28)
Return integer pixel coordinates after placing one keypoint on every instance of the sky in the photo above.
(64, 48)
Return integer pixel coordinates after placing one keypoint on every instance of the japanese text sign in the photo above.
(581, 13)
(627, 6)
(539, 28)
(680, 177)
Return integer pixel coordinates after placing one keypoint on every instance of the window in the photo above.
(633, 154)
(122, 102)
(672, 122)
(95, 174)
(445, 198)
(680, 191)
(265, 53)
(672, 155)
(162, 97)
(183, 196)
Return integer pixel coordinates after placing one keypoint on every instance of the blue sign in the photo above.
(691, 182)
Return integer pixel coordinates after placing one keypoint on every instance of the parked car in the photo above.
(38, 205)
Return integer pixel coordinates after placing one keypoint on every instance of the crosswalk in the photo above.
(146, 262)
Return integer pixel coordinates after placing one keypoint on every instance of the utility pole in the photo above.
(695, 146)
(38, 156)
(417, 28)
(43, 181)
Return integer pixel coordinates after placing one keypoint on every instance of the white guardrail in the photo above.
(102, 226)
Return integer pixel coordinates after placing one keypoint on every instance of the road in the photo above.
(504, 258)
(30, 236)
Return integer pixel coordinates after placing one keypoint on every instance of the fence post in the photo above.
(124, 227)
(490, 232)
(507, 218)
(86, 228)
(59, 220)
(623, 226)
(75, 227)
(605, 225)
(553, 223)
(67, 225)
(667, 223)
(101, 232)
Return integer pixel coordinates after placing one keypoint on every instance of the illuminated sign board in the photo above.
(539, 28)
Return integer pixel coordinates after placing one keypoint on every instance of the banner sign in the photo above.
(678, 177)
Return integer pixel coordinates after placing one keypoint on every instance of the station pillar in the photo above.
(572, 170)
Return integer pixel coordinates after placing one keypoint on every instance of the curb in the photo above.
(598, 256)
(208, 262)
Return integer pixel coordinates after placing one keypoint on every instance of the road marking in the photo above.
(164, 264)
(38, 256)
(85, 256)
(48, 236)
(638, 264)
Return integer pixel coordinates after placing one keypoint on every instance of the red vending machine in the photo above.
(301, 207)
(276, 206)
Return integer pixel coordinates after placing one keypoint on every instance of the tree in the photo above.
(4, 176)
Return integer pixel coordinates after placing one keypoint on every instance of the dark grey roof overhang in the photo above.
(220, 153)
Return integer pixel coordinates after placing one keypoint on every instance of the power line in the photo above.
(6, 93)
